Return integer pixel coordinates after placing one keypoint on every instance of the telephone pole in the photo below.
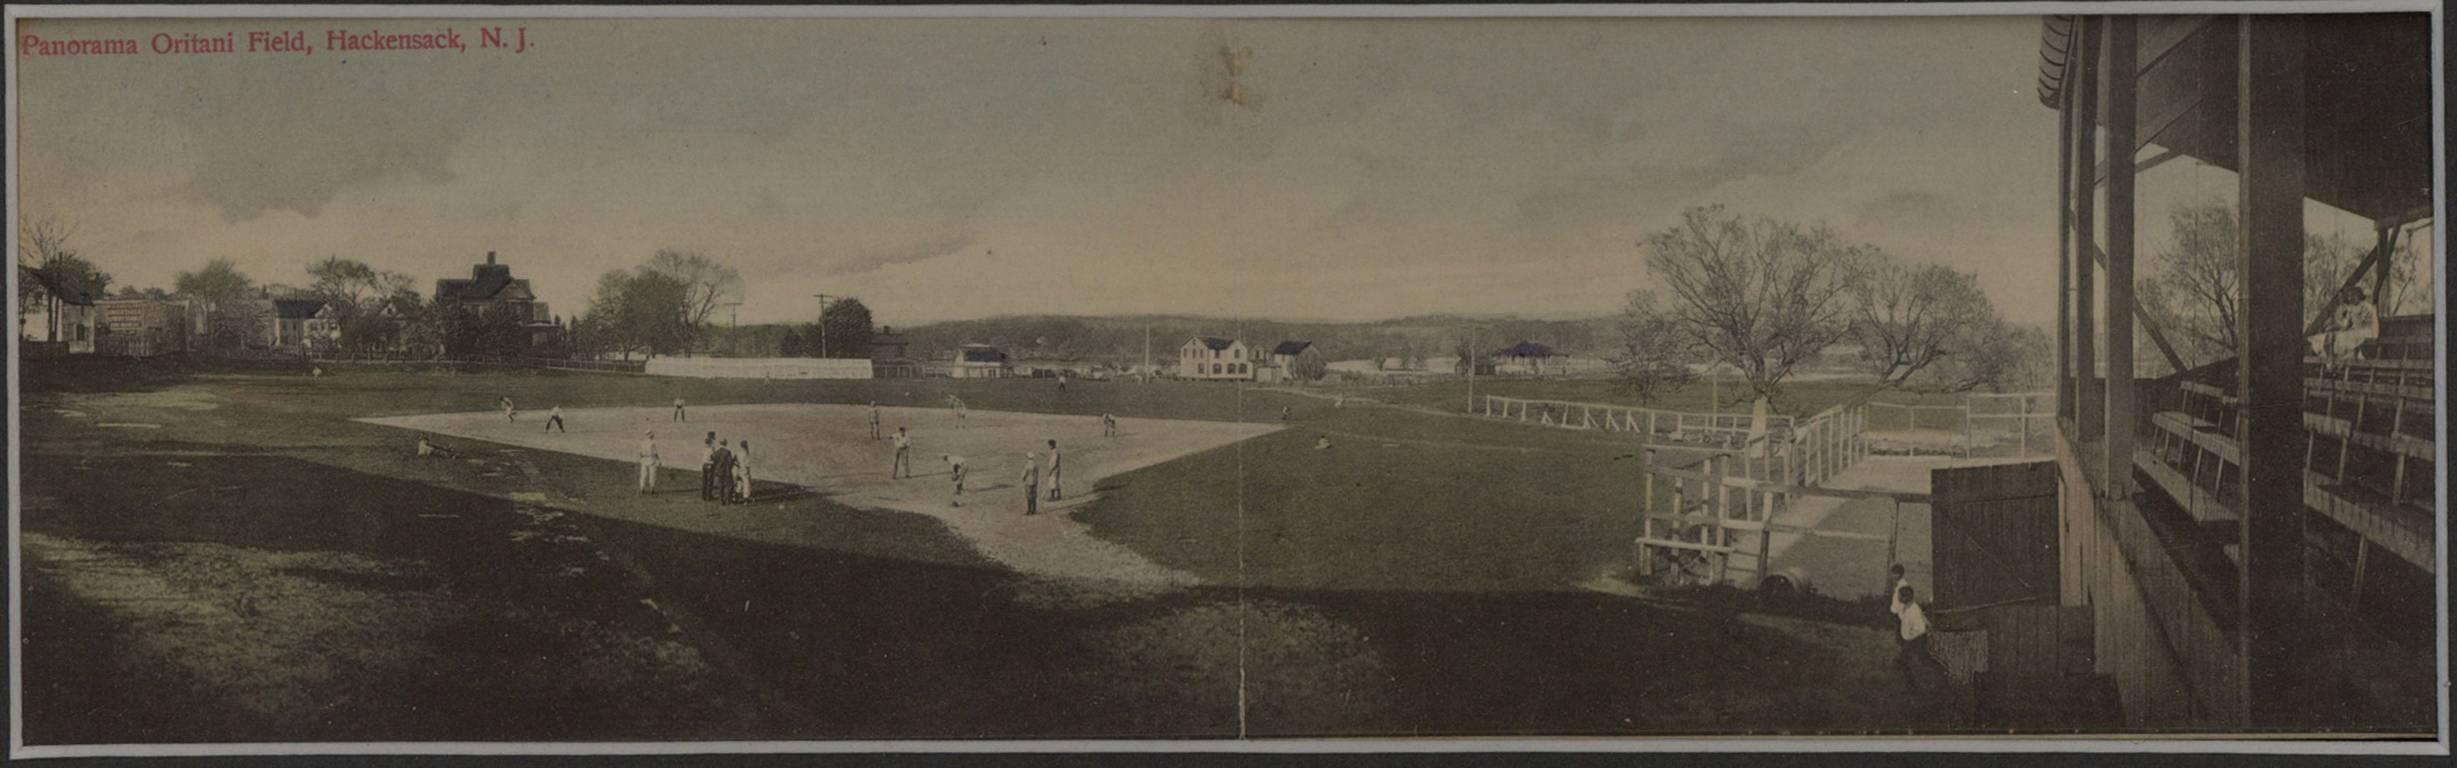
(1467, 357)
(733, 327)
(823, 323)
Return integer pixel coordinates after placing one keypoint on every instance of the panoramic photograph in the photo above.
(719, 379)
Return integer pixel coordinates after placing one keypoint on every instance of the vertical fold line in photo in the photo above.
(1242, 578)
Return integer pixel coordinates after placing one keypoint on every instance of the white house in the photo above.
(303, 324)
(65, 315)
(1284, 358)
(1211, 358)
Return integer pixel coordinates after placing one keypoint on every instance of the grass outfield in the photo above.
(1421, 576)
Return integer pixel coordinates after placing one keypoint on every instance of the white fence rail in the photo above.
(761, 367)
(1729, 430)
(2015, 424)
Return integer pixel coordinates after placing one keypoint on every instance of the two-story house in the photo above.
(1211, 358)
(492, 285)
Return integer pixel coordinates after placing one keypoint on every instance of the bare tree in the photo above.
(38, 241)
(41, 240)
(2196, 280)
(1654, 353)
(1908, 318)
(706, 284)
(1763, 296)
(42, 245)
(353, 286)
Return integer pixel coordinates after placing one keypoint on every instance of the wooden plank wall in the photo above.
(2174, 665)
(2038, 641)
(1995, 534)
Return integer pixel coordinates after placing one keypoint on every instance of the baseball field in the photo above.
(253, 555)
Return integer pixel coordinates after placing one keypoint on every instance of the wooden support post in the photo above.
(2025, 425)
(2064, 248)
(2148, 323)
(1765, 551)
(2397, 424)
(2270, 121)
(1970, 439)
(1646, 465)
(2085, 61)
(2363, 562)
(2123, 116)
(1722, 494)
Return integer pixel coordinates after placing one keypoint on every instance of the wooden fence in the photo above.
(548, 363)
(1728, 430)
(1714, 520)
(2015, 424)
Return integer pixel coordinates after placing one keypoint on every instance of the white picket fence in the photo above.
(761, 367)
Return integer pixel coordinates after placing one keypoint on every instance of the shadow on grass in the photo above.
(511, 596)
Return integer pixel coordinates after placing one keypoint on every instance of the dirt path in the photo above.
(827, 449)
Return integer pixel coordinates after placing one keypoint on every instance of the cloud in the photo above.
(1775, 149)
(254, 157)
(870, 258)
(1905, 206)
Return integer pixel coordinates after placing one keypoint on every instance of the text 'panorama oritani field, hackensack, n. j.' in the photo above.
(281, 41)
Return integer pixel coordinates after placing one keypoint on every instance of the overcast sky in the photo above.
(954, 169)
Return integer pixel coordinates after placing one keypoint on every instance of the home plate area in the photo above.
(828, 449)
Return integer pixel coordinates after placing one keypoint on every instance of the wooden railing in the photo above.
(1716, 524)
(1724, 429)
(2026, 416)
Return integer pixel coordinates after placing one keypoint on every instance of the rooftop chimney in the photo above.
(490, 257)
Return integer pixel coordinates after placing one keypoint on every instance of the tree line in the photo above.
(1765, 297)
(670, 305)
(1761, 296)
(664, 306)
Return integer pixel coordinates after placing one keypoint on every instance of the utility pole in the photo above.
(1147, 353)
(823, 324)
(1467, 357)
(733, 324)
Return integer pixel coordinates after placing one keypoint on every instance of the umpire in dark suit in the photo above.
(708, 468)
(724, 475)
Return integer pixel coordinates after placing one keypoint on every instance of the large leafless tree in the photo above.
(707, 285)
(1927, 327)
(2195, 281)
(1654, 354)
(1762, 295)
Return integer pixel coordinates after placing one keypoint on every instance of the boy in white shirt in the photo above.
(1912, 649)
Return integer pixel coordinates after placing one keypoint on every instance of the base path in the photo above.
(828, 449)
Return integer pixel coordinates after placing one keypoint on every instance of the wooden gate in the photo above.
(1994, 532)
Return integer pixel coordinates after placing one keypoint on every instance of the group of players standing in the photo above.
(725, 465)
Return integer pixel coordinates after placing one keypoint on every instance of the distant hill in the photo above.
(1120, 339)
